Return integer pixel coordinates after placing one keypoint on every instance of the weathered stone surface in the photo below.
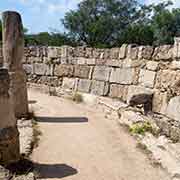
(99, 88)
(63, 70)
(118, 91)
(167, 80)
(146, 78)
(19, 93)
(122, 76)
(145, 52)
(13, 40)
(28, 68)
(81, 60)
(173, 109)
(152, 65)
(176, 49)
(114, 53)
(101, 73)
(164, 52)
(43, 69)
(114, 63)
(123, 51)
(132, 51)
(13, 52)
(129, 63)
(82, 71)
(175, 65)
(54, 52)
(138, 90)
(84, 85)
(69, 83)
(91, 61)
(160, 101)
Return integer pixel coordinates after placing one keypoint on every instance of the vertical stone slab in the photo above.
(13, 52)
(9, 136)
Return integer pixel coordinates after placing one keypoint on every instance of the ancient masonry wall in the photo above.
(117, 73)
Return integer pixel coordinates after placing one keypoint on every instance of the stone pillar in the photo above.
(9, 136)
(13, 52)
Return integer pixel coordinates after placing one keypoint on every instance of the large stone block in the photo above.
(123, 51)
(132, 51)
(54, 52)
(84, 85)
(43, 69)
(145, 52)
(164, 52)
(152, 65)
(69, 83)
(122, 76)
(28, 68)
(138, 90)
(101, 73)
(118, 91)
(176, 49)
(63, 70)
(160, 101)
(173, 109)
(146, 78)
(99, 88)
(114, 53)
(82, 71)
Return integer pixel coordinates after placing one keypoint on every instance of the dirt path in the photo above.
(79, 144)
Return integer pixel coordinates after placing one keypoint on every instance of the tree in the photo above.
(100, 22)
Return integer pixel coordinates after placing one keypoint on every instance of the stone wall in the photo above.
(118, 72)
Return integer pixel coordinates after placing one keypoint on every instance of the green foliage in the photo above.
(141, 128)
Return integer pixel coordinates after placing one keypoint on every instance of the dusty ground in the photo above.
(80, 144)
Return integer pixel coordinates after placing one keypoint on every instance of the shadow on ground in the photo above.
(54, 171)
(32, 102)
(42, 171)
(62, 119)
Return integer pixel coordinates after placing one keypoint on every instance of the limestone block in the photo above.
(160, 101)
(132, 51)
(82, 71)
(63, 70)
(123, 51)
(40, 69)
(164, 52)
(53, 52)
(101, 62)
(91, 61)
(101, 73)
(173, 109)
(106, 54)
(81, 60)
(176, 49)
(114, 63)
(145, 52)
(80, 51)
(28, 68)
(88, 53)
(175, 65)
(118, 91)
(146, 78)
(99, 88)
(138, 90)
(122, 76)
(129, 63)
(114, 53)
(152, 65)
(69, 83)
(84, 85)
(166, 79)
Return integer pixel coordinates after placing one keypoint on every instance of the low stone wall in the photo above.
(118, 72)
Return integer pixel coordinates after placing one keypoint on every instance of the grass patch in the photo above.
(77, 97)
(141, 128)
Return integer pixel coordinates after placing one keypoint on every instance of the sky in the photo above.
(45, 15)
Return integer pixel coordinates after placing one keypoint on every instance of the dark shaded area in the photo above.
(62, 119)
(54, 171)
(32, 102)
(44, 171)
